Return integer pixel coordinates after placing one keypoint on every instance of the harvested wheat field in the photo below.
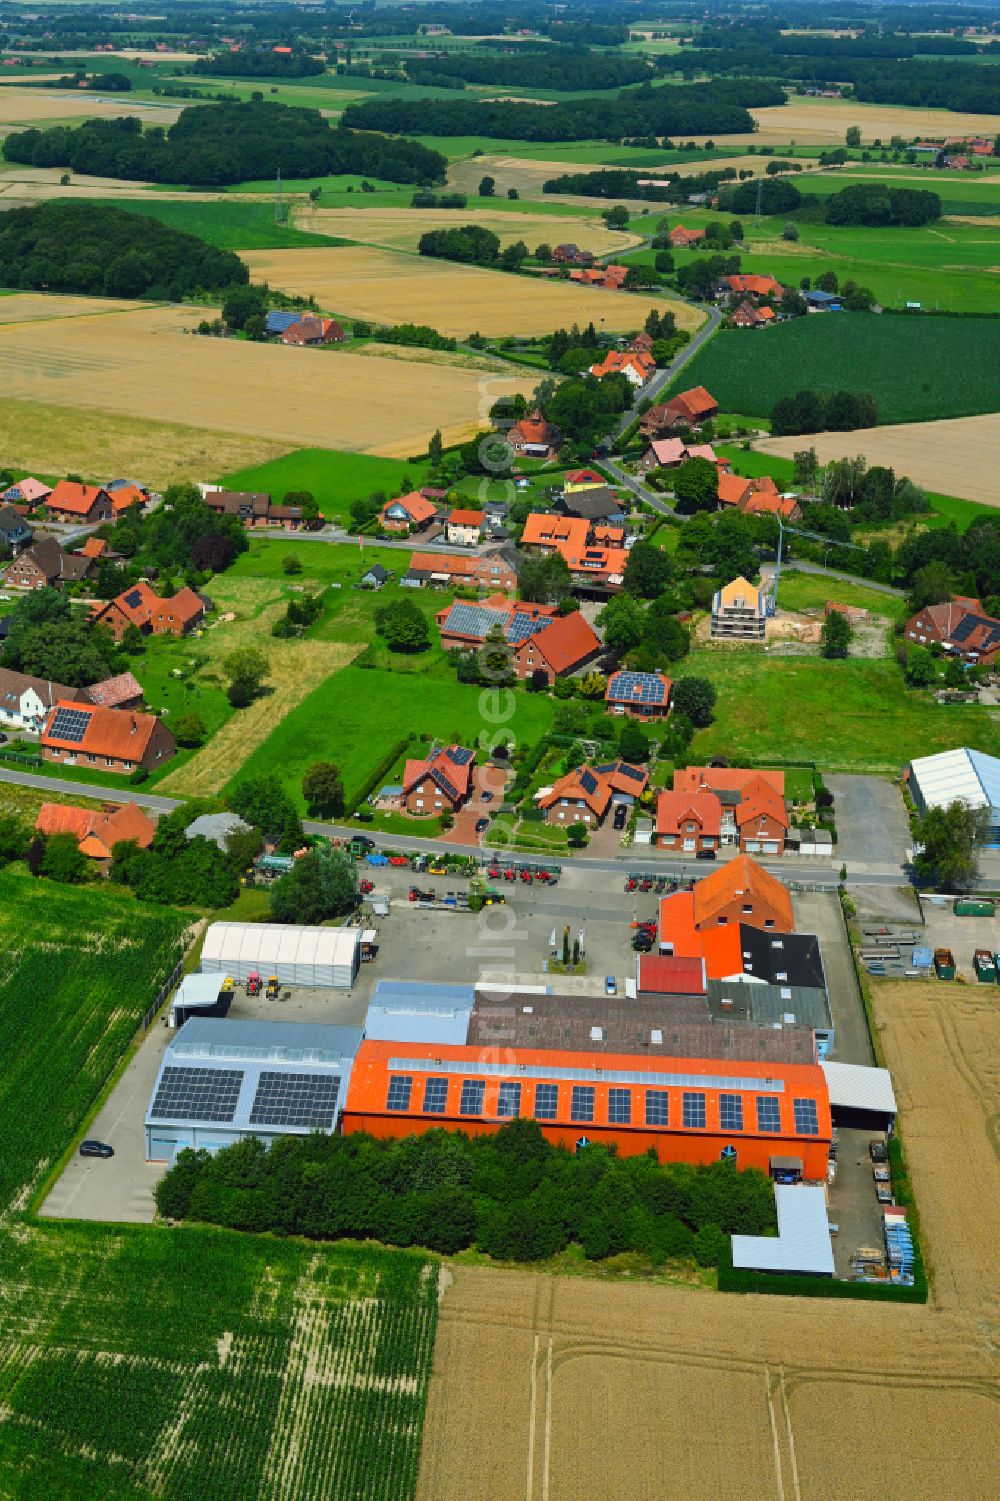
(147, 364)
(31, 307)
(296, 668)
(401, 228)
(27, 106)
(527, 174)
(953, 457)
(383, 285)
(555, 1389)
(824, 121)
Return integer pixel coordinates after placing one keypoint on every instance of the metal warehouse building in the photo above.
(325, 957)
(966, 776)
(221, 1081)
(775, 1117)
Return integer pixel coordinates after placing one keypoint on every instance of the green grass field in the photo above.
(229, 225)
(918, 369)
(357, 716)
(846, 716)
(811, 591)
(334, 477)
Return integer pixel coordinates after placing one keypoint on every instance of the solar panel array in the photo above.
(522, 626)
(459, 755)
(70, 724)
(134, 598)
(474, 620)
(286, 1099)
(198, 1094)
(588, 781)
(637, 687)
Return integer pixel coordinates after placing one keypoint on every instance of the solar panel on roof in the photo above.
(70, 724)
(459, 755)
(635, 772)
(133, 598)
(474, 620)
(588, 781)
(198, 1094)
(285, 1099)
(523, 625)
(638, 687)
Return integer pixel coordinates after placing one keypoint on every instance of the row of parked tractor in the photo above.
(527, 874)
(644, 880)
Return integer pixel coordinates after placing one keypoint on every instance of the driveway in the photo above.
(872, 827)
(489, 779)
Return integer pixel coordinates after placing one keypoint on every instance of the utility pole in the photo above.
(760, 189)
(278, 211)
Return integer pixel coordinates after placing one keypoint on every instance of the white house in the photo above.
(464, 528)
(26, 702)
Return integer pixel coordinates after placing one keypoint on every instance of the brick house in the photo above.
(442, 780)
(688, 822)
(47, 565)
(761, 819)
(14, 530)
(311, 330)
(491, 571)
(27, 492)
(748, 316)
(464, 528)
(750, 286)
(738, 893)
(141, 607)
(124, 494)
(539, 639)
(97, 830)
(692, 407)
(87, 504)
(114, 740)
(249, 506)
(571, 255)
(587, 794)
(412, 512)
(534, 438)
(565, 644)
(640, 695)
(760, 793)
(671, 453)
(682, 239)
(961, 626)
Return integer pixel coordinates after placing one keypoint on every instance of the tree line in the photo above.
(670, 187)
(212, 145)
(553, 68)
(701, 109)
(509, 1193)
(97, 248)
(259, 62)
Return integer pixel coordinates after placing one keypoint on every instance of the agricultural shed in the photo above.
(324, 957)
(803, 1240)
(405, 1011)
(860, 1096)
(222, 1081)
(217, 827)
(963, 775)
(199, 995)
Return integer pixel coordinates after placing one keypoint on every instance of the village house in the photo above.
(313, 331)
(586, 794)
(114, 740)
(123, 691)
(97, 830)
(569, 254)
(739, 612)
(412, 512)
(494, 571)
(640, 695)
(637, 368)
(540, 640)
(582, 479)
(14, 530)
(961, 626)
(686, 409)
(752, 804)
(748, 316)
(376, 577)
(756, 497)
(46, 564)
(249, 506)
(749, 286)
(670, 453)
(563, 645)
(87, 504)
(27, 492)
(688, 822)
(26, 702)
(124, 495)
(594, 554)
(441, 780)
(594, 503)
(738, 893)
(464, 528)
(141, 607)
(98, 550)
(682, 239)
(534, 438)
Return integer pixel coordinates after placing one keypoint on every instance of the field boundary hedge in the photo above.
(384, 766)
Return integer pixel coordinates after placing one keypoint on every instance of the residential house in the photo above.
(588, 793)
(412, 512)
(495, 571)
(46, 565)
(670, 453)
(464, 528)
(561, 646)
(681, 238)
(463, 624)
(141, 607)
(540, 640)
(754, 815)
(97, 830)
(376, 577)
(595, 555)
(739, 892)
(640, 695)
(582, 479)
(444, 779)
(820, 302)
(750, 286)
(687, 409)
(124, 495)
(87, 504)
(313, 331)
(688, 822)
(98, 550)
(249, 506)
(770, 503)
(748, 316)
(568, 254)
(26, 702)
(14, 530)
(739, 612)
(637, 368)
(642, 343)
(27, 492)
(120, 692)
(961, 626)
(595, 503)
(534, 438)
(546, 532)
(113, 740)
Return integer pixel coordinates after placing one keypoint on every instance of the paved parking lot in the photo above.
(963, 935)
(819, 912)
(872, 827)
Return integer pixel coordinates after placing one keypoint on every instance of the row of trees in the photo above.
(875, 204)
(554, 68)
(509, 1193)
(259, 62)
(817, 412)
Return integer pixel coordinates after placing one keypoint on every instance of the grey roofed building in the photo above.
(671, 1026)
(376, 576)
(217, 827)
(13, 527)
(803, 1240)
(221, 1081)
(774, 1006)
(407, 1011)
(597, 504)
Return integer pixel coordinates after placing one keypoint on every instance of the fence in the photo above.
(23, 758)
(161, 995)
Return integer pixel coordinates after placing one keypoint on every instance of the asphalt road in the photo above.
(663, 377)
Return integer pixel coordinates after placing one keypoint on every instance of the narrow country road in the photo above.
(651, 390)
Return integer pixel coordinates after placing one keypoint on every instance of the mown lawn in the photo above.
(334, 477)
(358, 715)
(846, 716)
(810, 591)
(918, 368)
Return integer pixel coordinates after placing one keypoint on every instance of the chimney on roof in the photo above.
(135, 725)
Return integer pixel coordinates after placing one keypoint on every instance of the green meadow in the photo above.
(227, 224)
(334, 477)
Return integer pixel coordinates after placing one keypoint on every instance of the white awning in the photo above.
(853, 1086)
(803, 1241)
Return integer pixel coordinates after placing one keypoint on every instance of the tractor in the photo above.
(254, 983)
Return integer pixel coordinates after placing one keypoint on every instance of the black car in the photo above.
(96, 1149)
(621, 815)
(481, 824)
(487, 797)
(705, 855)
(364, 815)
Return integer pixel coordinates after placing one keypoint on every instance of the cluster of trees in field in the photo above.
(182, 535)
(211, 146)
(874, 204)
(48, 639)
(816, 412)
(98, 83)
(701, 109)
(547, 68)
(508, 1193)
(95, 247)
(259, 62)
(468, 243)
(670, 187)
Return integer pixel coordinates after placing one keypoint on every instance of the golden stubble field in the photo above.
(824, 122)
(21, 107)
(364, 282)
(145, 363)
(557, 1389)
(401, 228)
(956, 456)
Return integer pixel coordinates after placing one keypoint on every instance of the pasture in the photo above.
(334, 478)
(147, 364)
(918, 368)
(365, 282)
(943, 456)
(229, 223)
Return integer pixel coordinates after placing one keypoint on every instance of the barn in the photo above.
(221, 1081)
(324, 957)
(967, 776)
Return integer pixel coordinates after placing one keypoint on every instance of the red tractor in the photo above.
(254, 983)
(366, 886)
(508, 874)
(631, 883)
(526, 877)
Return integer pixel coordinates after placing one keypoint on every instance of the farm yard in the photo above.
(364, 282)
(958, 455)
(583, 1378)
(146, 364)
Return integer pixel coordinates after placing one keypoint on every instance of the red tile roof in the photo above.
(733, 489)
(693, 404)
(542, 529)
(70, 496)
(534, 429)
(96, 830)
(112, 692)
(121, 734)
(415, 505)
(760, 800)
(466, 518)
(122, 500)
(725, 779)
(676, 808)
(742, 878)
(667, 974)
(455, 777)
(584, 785)
(566, 642)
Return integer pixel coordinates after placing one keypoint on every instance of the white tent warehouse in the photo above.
(324, 957)
(963, 775)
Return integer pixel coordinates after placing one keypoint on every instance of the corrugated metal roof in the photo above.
(854, 1086)
(407, 1011)
(803, 1241)
(958, 775)
(199, 990)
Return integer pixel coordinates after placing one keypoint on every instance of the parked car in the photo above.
(621, 816)
(96, 1149)
(481, 824)
(610, 985)
(705, 855)
(364, 815)
(486, 797)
